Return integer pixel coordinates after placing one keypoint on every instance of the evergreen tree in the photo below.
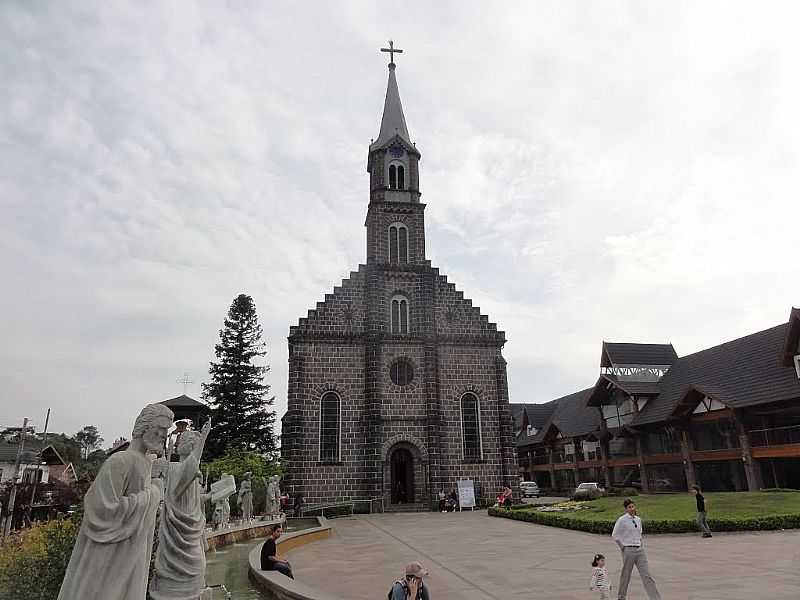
(240, 412)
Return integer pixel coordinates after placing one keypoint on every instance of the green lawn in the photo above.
(675, 513)
(719, 505)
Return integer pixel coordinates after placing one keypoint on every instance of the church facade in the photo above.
(397, 383)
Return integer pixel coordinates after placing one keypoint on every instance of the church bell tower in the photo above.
(395, 222)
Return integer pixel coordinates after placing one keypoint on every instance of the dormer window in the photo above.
(398, 244)
(397, 176)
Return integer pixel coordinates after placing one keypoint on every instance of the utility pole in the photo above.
(13, 497)
(38, 467)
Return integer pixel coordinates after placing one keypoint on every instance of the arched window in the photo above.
(398, 244)
(329, 427)
(399, 318)
(397, 176)
(471, 427)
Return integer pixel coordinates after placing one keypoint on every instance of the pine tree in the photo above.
(240, 413)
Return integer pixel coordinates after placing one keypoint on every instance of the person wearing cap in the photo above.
(411, 587)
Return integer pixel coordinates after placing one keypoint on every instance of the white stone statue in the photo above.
(273, 505)
(221, 491)
(181, 559)
(246, 497)
(278, 493)
(111, 557)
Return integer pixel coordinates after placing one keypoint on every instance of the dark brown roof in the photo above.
(571, 417)
(599, 395)
(538, 414)
(615, 353)
(183, 400)
(739, 373)
(791, 344)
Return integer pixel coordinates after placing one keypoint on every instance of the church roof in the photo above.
(393, 121)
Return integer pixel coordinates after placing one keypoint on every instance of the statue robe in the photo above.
(246, 499)
(181, 558)
(111, 557)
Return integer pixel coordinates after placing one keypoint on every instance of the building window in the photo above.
(398, 243)
(707, 405)
(471, 427)
(397, 177)
(401, 372)
(399, 314)
(716, 435)
(329, 426)
(617, 415)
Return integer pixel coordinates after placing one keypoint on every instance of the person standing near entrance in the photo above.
(627, 534)
(702, 523)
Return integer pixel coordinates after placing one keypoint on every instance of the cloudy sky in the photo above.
(604, 170)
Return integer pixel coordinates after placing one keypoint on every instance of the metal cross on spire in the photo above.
(185, 381)
(391, 50)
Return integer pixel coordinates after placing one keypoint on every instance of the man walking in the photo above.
(702, 523)
(628, 536)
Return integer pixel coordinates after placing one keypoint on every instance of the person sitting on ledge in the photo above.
(269, 555)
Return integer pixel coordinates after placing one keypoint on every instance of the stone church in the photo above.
(397, 383)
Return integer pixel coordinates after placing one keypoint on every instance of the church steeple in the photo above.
(393, 159)
(393, 121)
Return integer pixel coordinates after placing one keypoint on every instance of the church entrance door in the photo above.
(402, 476)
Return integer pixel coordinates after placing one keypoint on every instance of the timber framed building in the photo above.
(727, 418)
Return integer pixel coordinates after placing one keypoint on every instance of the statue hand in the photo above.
(206, 427)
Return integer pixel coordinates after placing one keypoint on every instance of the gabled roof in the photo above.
(616, 353)
(599, 393)
(33, 452)
(538, 414)
(791, 344)
(183, 401)
(739, 373)
(570, 416)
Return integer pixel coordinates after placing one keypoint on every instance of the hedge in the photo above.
(567, 521)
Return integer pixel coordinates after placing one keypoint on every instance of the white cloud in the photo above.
(591, 172)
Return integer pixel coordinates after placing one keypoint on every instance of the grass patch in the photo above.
(675, 513)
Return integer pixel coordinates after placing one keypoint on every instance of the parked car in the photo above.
(588, 491)
(529, 489)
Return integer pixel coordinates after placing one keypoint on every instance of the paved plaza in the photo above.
(477, 557)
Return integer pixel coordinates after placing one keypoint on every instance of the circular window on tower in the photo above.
(401, 372)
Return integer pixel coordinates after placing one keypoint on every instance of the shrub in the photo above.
(566, 521)
(622, 491)
(33, 561)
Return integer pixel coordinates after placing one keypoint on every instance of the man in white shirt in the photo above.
(628, 536)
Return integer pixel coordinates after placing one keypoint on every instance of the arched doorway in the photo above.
(402, 465)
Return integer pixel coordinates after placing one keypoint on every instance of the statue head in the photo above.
(152, 425)
(247, 475)
(188, 442)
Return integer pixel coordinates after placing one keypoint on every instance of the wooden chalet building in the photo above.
(727, 417)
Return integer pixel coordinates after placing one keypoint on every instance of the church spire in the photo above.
(393, 160)
(393, 121)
